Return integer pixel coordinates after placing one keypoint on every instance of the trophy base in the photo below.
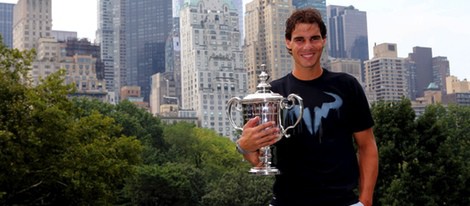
(264, 171)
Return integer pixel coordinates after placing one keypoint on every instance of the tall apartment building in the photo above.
(422, 57)
(386, 74)
(265, 39)
(347, 33)
(31, 20)
(6, 23)
(211, 61)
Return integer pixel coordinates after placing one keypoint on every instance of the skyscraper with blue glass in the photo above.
(347, 33)
(6, 23)
(133, 36)
(148, 24)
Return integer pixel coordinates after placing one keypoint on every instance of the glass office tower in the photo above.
(6, 23)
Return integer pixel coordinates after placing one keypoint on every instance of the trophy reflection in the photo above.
(268, 106)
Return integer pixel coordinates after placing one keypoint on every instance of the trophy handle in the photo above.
(291, 98)
(233, 102)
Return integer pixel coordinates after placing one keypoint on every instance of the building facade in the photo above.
(6, 23)
(440, 70)
(133, 35)
(347, 33)
(350, 66)
(32, 30)
(32, 20)
(164, 87)
(148, 24)
(265, 40)
(386, 74)
(211, 61)
(422, 58)
(81, 72)
(454, 85)
(105, 37)
(63, 36)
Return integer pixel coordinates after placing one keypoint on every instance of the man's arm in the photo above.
(368, 164)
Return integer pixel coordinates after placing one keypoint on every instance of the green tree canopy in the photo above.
(47, 155)
(423, 160)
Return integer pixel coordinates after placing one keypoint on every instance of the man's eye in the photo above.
(316, 38)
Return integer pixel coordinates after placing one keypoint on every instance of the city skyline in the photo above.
(425, 24)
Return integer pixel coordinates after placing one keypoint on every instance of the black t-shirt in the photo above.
(318, 161)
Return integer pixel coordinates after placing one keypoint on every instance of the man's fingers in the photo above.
(253, 122)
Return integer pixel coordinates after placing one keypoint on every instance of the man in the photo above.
(319, 163)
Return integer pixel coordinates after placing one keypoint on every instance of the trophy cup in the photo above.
(268, 106)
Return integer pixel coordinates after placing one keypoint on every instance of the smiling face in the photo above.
(306, 46)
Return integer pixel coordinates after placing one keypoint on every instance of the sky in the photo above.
(443, 26)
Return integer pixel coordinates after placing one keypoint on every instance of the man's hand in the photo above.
(255, 136)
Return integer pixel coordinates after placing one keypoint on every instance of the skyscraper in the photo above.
(6, 23)
(265, 40)
(105, 37)
(148, 24)
(441, 70)
(422, 57)
(347, 33)
(31, 20)
(133, 36)
(211, 61)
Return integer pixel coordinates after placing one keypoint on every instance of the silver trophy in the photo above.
(268, 106)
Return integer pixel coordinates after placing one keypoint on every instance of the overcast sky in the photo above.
(442, 25)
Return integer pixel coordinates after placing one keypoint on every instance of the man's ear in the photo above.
(288, 44)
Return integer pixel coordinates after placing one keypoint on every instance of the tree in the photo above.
(238, 187)
(133, 121)
(47, 155)
(395, 133)
(429, 166)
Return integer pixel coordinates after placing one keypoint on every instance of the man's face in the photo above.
(306, 45)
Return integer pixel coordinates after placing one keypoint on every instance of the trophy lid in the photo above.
(263, 92)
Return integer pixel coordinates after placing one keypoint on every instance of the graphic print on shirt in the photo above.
(314, 125)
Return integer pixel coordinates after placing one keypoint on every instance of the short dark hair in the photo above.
(305, 15)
